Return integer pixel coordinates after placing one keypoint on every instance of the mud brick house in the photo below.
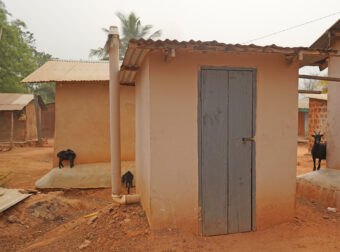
(18, 117)
(48, 120)
(330, 40)
(82, 109)
(303, 107)
(317, 117)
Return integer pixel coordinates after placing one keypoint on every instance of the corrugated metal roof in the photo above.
(11, 102)
(138, 49)
(63, 70)
(326, 39)
(316, 96)
(324, 42)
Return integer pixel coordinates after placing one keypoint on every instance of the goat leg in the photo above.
(314, 168)
(71, 163)
(319, 163)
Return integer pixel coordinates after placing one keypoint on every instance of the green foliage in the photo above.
(131, 27)
(18, 53)
(4, 179)
(45, 90)
(323, 84)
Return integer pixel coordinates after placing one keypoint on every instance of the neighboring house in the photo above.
(312, 117)
(330, 40)
(200, 108)
(18, 118)
(303, 106)
(317, 117)
(82, 110)
(48, 120)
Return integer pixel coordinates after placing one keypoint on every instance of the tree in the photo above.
(131, 27)
(323, 84)
(309, 84)
(18, 53)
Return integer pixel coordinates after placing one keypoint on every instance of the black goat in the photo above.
(127, 178)
(66, 155)
(318, 150)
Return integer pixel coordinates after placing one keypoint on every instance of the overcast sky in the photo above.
(68, 29)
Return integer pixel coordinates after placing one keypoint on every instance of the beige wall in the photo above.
(143, 137)
(82, 121)
(333, 108)
(127, 122)
(173, 136)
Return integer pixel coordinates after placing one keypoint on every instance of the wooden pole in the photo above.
(12, 129)
(309, 92)
(37, 117)
(314, 77)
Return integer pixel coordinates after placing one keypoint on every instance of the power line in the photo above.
(292, 27)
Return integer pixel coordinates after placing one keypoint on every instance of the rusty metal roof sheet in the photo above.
(138, 49)
(10, 197)
(325, 41)
(11, 101)
(14, 101)
(328, 37)
(63, 70)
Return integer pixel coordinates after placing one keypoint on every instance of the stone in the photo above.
(92, 219)
(325, 217)
(12, 219)
(85, 244)
(140, 213)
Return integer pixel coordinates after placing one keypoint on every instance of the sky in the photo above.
(68, 29)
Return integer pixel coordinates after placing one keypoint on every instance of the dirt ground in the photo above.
(54, 220)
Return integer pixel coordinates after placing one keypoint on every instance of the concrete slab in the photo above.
(94, 175)
(321, 186)
(10, 197)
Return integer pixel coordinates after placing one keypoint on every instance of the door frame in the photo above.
(199, 127)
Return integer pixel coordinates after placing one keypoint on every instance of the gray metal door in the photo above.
(226, 151)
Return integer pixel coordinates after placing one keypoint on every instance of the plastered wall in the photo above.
(172, 115)
(82, 121)
(143, 137)
(333, 110)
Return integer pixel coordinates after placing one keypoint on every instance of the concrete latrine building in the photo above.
(215, 144)
(18, 117)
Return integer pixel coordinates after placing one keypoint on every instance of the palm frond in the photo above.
(99, 53)
(156, 34)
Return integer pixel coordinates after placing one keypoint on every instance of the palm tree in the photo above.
(131, 27)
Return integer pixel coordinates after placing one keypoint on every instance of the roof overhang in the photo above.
(16, 102)
(70, 71)
(325, 42)
(139, 49)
